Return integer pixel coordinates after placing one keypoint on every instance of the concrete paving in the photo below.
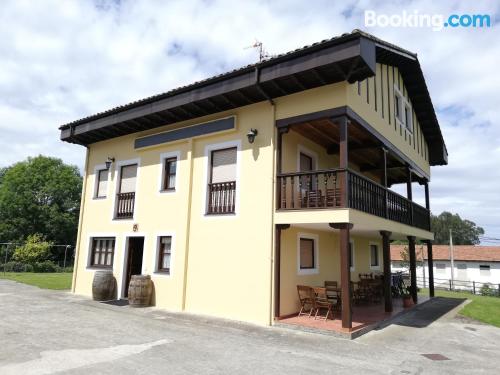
(48, 332)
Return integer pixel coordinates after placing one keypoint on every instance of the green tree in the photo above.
(36, 249)
(40, 195)
(465, 232)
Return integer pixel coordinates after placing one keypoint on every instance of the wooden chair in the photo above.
(314, 198)
(333, 294)
(321, 303)
(333, 197)
(306, 299)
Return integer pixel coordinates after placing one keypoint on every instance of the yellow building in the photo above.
(232, 191)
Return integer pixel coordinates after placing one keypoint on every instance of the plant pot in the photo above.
(407, 301)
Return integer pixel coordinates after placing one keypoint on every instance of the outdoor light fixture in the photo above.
(109, 162)
(251, 135)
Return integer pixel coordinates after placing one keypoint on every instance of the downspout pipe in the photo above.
(80, 221)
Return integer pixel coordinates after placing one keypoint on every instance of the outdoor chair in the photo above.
(333, 197)
(306, 299)
(321, 303)
(314, 198)
(333, 294)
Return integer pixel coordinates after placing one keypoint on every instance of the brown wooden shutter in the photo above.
(306, 253)
(224, 165)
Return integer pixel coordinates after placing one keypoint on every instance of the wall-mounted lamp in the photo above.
(109, 162)
(251, 135)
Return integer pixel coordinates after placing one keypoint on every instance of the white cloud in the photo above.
(65, 60)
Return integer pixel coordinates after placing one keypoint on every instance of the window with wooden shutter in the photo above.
(128, 178)
(307, 253)
(164, 254)
(102, 183)
(223, 165)
(170, 174)
(102, 252)
(222, 186)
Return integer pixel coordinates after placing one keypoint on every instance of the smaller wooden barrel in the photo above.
(103, 285)
(140, 290)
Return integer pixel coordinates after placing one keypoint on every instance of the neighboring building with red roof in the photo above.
(471, 263)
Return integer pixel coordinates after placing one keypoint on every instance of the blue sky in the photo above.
(62, 60)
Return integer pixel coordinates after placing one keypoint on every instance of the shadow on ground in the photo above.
(423, 315)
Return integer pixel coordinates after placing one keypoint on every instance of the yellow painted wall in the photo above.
(377, 113)
(328, 262)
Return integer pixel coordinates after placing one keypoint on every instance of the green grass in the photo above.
(57, 281)
(482, 308)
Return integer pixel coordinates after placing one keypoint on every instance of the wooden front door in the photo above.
(134, 259)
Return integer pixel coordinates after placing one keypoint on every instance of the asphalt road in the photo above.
(48, 332)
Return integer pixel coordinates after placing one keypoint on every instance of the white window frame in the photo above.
(161, 175)
(378, 267)
(308, 271)
(155, 272)
(353, 256)
(90, 238)
(118, 168)
(404, 103)
(208, 154)
(97, 169)
(485, 272)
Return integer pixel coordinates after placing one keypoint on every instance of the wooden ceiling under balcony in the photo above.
(365, 151)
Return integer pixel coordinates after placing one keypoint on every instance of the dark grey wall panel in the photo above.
(185, 133)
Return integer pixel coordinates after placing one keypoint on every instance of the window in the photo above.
(398, 99)
(307, 253)
(126, 194)
(351, 256)
(102, 252)
(222, 185)
(374, 256)
(440, 267)
(408, 118)
(170, 173)
(102, 183)
(484, 269)
(164, 254)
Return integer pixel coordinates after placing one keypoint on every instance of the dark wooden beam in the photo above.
(427, 200)
(341, 225)
(344, 160)
(430, 266)
(214, 105)
(371, 168)
(318, 76)
(277, 268)
(345, 276)
(386, 255)
(413, 268)
(296, 80)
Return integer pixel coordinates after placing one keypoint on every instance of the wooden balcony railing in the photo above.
(323, 189)
(125, 205)
(221, 198)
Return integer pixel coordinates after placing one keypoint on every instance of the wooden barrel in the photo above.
(140, 290)
(103, 286)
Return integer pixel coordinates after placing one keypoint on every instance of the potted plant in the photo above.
(407, 300)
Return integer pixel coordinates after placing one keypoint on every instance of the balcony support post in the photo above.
(427, 201)
(277, 267)
(345, 273)
(430, 266)
(384, 180)
(279, 165)
(413, 268)
(386, 254)
(409, 193)
(344, 159)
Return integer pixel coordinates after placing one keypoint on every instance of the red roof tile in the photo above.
(460, 252)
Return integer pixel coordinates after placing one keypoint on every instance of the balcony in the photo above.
(345, 188)
(125, 205)
(221, 198)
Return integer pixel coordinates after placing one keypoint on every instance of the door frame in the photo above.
(123, 278)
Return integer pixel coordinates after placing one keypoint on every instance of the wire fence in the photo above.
(62, 258)
(474, 287)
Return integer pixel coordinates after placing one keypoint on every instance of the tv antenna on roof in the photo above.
(263, 54)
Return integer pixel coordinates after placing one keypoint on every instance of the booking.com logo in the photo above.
(436, 21)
